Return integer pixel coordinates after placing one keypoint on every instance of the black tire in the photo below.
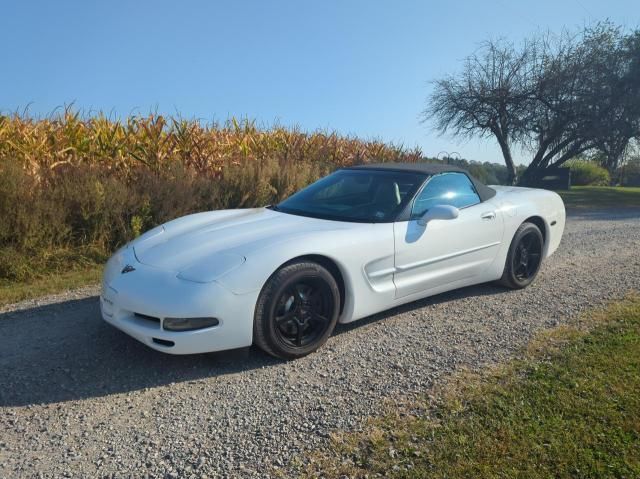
(524, 258)
(296, 311)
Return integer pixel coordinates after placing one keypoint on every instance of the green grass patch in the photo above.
(570, 408)
(601, 197)
(12, 292)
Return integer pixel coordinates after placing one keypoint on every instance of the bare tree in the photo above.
(555, 124)
(588, 98)
(556, 96)
(621, 110)
(489, 97)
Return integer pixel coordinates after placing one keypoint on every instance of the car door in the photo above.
(445, 251)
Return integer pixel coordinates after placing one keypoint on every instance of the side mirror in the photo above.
(439, 212)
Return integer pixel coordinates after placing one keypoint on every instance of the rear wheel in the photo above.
(297, 310)
(524, 258)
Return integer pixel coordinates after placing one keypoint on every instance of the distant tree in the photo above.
(587, 97)
(556, 96)
(622, 107)
(488, 98)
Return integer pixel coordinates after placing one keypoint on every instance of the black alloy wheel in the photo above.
(303, 312)
(527, 257)
(297, 310)
(524, 258)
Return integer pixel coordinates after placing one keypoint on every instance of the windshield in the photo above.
(371, 196)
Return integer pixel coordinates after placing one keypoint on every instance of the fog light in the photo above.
(188, 324)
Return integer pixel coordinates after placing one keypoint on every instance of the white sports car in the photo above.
(361, 240)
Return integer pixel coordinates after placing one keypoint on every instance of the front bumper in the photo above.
(138, 301)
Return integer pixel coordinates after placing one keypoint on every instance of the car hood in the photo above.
(222, 235)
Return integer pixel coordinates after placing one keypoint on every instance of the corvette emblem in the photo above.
(127, 269)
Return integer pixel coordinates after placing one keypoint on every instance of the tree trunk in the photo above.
(613, 162)
(527, 178)
(508, 160)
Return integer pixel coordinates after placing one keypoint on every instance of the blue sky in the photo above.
(359, 67)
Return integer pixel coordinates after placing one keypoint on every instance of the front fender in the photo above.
(364, 255)
(264, 260)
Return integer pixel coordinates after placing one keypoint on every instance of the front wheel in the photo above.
(524, 258)
(296, 311)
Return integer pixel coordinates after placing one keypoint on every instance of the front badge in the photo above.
(127, 269)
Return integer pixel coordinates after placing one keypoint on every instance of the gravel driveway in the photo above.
(78, 398)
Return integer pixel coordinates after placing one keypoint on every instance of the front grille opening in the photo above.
(164, 342)
(147, 317)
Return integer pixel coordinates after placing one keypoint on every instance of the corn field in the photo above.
(154, 142)
(74, 188)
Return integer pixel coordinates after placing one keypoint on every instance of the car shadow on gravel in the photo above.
(486, 289)
(64, 351)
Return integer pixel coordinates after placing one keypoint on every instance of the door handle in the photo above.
(489, 215)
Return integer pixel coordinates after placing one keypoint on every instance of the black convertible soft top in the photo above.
(430, 169)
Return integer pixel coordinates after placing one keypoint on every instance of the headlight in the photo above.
(188, 324)
(211, 268)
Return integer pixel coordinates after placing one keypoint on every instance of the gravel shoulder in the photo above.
(79, 398)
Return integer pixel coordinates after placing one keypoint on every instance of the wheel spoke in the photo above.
(520, 258)
(303, 313)
(534, 263)
(299, 293)
(529, 270)
(527, 242)
(298, 334)
(289, 294)
(286, 317)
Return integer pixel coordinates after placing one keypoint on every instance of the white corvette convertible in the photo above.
(359, 241)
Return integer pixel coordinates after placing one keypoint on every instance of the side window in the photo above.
(453, 189)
